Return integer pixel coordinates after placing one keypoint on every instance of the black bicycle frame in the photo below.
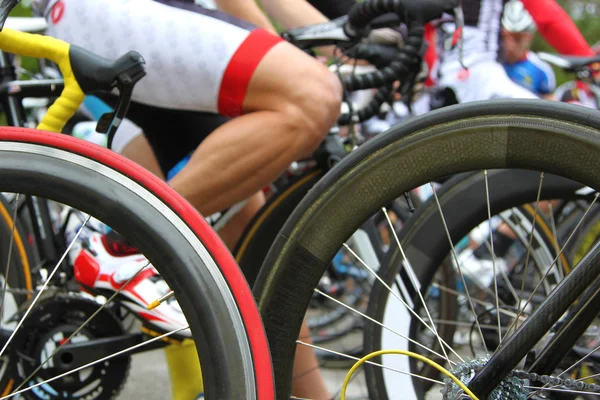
(12, 92)
(516, 347)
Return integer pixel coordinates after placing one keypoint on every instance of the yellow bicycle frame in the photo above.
(38, 46)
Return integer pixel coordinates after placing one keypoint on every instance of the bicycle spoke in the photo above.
(44, 286)
(554, 234)
(476, 301)
(487, 194)
(581, 360)
(413, 312)
(464, 324)
(520, 311)
(588, 377)
(91, 364)
(455, 256)
(414, 282)
(337, 393)
(545, 387)
(367, 362)
(540, 389)
(478, 284)
(68, 340)
(533, 221)
(380, 324)
(505, 277)
(10, 248)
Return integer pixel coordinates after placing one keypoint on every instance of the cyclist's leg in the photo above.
(287, 120)
(140, 151)
(129, 139)
(202, 60)
(198, 61)
(307, 382)
(232, 231)
(159, 153)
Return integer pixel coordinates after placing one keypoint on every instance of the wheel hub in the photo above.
(511, 387)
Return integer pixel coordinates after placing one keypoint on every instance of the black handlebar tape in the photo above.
(407, 61)
(379, 55)
(382, 95)
(421, 11)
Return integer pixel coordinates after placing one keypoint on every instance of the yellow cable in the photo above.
(409, 354)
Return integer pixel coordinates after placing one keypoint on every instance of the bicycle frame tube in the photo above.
(541, 321)
(33, 88)
(12, 106)
(581, 315)
(15, 114)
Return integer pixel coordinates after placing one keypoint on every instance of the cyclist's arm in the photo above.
(246, 10)
(557, 28)
(293, 13)
(548, 85)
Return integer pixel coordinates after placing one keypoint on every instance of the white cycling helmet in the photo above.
(516, 18)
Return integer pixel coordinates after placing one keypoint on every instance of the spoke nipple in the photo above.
(153, 305)
(158, 302)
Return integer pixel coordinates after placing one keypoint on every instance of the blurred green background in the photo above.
(585, 13)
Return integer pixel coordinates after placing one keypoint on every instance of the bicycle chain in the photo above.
(511, 387)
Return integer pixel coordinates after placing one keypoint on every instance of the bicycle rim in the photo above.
(536, 135)
(208, 285)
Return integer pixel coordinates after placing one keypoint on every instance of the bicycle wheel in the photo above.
(424, 231)
(535, 135)
(209, 287)
(253, 246)
(327, 320)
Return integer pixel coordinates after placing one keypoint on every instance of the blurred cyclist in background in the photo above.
(587, 93)
(521, 64)
(479, 75)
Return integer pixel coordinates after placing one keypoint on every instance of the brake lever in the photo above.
(125, 82)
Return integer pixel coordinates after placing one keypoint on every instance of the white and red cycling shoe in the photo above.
(105, 263)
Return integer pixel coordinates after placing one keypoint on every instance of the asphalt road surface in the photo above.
(149, 379)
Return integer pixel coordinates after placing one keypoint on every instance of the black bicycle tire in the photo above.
(98, 187)
(260, 233)
(459, 192)
(538, 135)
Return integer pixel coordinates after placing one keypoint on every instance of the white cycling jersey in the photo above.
(196, 59)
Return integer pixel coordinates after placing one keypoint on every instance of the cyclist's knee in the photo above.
(314, 107)
(301, 89)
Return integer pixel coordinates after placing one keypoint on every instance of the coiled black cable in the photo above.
(371, 109)
(406, 63)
